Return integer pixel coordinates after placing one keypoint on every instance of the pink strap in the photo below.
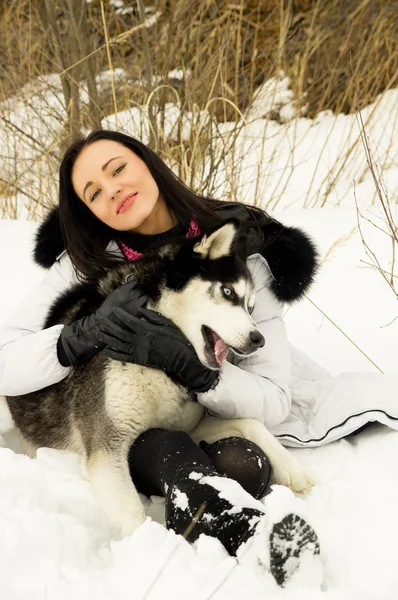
(130, 254)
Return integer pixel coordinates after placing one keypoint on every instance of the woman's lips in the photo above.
(126, 202)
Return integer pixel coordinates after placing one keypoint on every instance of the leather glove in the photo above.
(155, 342)
(79, 342)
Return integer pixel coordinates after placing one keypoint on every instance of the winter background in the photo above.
(55, 541)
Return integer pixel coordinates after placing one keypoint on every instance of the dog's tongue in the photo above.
(220, 349)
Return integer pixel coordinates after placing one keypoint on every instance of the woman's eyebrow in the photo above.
(102, 169)
(110, 160)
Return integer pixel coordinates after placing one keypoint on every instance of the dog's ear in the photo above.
(220, 242)
(240, 246)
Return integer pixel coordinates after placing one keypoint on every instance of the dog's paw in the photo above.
(129, 522)
(291, 474)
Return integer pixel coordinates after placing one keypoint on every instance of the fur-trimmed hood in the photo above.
(290, 253)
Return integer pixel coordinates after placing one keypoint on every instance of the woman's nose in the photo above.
(116, 192)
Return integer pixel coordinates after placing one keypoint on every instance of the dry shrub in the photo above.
(387, 224)
(333, 46)
(233, 47)
(225, 51)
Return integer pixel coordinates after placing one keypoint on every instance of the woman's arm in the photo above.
(257, 386)
(28, 353)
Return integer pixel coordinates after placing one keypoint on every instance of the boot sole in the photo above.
(288, 540)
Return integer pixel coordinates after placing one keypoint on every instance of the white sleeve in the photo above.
(257, 386)
(28, 353)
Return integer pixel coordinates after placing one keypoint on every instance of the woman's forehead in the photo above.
(93, 158)
(100, 151)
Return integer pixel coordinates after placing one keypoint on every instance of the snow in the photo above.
(56, 542)
(233, 493)
(274, 94)
(180, 500)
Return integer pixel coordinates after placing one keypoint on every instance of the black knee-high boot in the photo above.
(169, 463)
(158, 455)
(199, 501)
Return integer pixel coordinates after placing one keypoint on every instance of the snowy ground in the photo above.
(56, 543)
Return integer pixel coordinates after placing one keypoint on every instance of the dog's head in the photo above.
(209, 294)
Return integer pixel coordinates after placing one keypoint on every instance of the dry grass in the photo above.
(387, 225)
(225, 50)
(320, 44)
(336, 45)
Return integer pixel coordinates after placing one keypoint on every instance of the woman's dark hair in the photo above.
(86, 237)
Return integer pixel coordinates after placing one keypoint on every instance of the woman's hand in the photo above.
(79, 342)
(156, 342)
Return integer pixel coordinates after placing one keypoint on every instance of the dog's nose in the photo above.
(257, 339)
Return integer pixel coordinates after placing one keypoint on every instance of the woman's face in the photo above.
(119, 189)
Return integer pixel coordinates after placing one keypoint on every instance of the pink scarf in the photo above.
(130, 254)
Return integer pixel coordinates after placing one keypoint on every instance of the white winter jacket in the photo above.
(286, 390)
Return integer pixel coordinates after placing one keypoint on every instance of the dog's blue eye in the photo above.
(227, 292)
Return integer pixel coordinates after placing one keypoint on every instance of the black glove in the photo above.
(158, 343)
(79, 342)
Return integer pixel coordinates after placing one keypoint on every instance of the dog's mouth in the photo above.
(216, 350)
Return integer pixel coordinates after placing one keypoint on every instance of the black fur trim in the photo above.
(290, 253)
(292, 258)
(48, 242)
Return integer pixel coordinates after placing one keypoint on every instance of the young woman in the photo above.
(117, 200)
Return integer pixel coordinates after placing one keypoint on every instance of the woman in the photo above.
(117, 200)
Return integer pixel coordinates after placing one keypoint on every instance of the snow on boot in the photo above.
(195, 505)
(271, 534)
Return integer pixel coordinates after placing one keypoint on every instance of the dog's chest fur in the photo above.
(139, 398)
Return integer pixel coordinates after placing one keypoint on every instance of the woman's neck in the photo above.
(142, 243)
(161, 219)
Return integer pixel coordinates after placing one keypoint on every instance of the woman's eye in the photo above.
(93, 197)
(119, 169)
(227, 292)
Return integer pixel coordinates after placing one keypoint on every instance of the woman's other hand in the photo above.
(151, 340)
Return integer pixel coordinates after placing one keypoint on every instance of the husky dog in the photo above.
(100, 408)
